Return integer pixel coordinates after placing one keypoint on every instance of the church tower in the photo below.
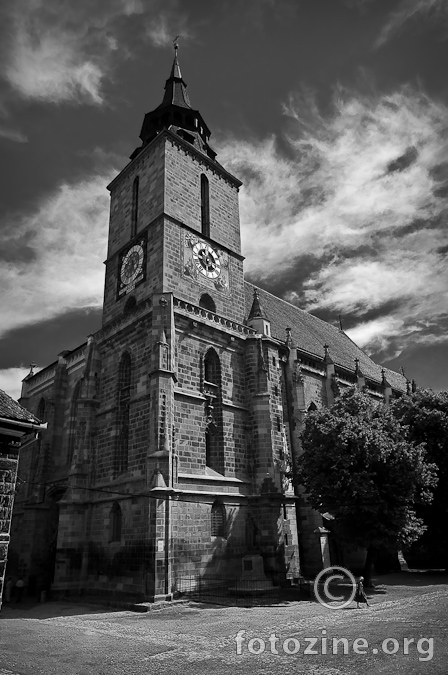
(173, 409)
(174, 221)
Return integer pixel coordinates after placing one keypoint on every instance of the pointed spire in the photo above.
(257, 311)
(176, 115)
(175, 87)
(327, 357)
(175, 70)
(257, 317)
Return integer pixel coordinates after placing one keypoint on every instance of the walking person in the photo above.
(20, 585)
(360, 595)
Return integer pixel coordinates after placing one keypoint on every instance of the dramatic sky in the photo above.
(334, 114)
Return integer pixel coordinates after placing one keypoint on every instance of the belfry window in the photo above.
(205, 206)
(218, 520)
(134, 214)
(124, 393)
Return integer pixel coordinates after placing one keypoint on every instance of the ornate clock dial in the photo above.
(206, 260)
(132, 264)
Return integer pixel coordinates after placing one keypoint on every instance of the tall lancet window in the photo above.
(73, 436)
(134, 214)
(214, 441)
(124, 394)
(205, 206)
(115, 522)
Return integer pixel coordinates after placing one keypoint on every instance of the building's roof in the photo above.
(310, 334)
(11, 410)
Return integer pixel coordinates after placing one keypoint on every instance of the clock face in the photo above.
(206, 260)
(132, 264)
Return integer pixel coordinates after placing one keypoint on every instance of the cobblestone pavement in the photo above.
(69, 639)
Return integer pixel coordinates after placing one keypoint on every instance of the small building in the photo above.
(173, 432)
(15, 423)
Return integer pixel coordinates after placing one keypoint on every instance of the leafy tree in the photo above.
(359, 464)
(425, 412)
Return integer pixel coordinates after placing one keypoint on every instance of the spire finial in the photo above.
(176, 43)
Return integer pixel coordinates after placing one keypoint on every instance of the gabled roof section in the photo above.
(311, 334)
(11, 410)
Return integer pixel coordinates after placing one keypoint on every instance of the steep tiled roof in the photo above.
(310, 334)
(11, 410)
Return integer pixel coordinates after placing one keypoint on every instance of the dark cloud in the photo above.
(443, 250)
(17, 250)
(420, 225)
(45, 340)
(404, 161)
(426, 364)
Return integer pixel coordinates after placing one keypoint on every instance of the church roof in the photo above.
(310, 334)
(11, 410)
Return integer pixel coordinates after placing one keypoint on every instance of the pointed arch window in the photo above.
(73, 422)
(214, 437)
(218, 520)
(134, 216)
(212, 367)
(115, 522)
(124, 394)
(312, 406)
(205, 206)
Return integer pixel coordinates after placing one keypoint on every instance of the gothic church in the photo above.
(173, 431)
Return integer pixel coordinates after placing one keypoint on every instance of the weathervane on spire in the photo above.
(176, 42)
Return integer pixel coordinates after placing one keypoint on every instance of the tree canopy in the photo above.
(425, 412)
(360, 464)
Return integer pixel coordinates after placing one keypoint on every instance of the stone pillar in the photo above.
(160, 464)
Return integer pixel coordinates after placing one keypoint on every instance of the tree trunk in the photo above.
(368, 567)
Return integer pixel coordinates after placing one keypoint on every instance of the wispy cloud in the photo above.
(163, 28)
(12, 134)
(52, 258)
(433, 11)
(60, 51)
(11, 381)
(364, 193)
(54, 55)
